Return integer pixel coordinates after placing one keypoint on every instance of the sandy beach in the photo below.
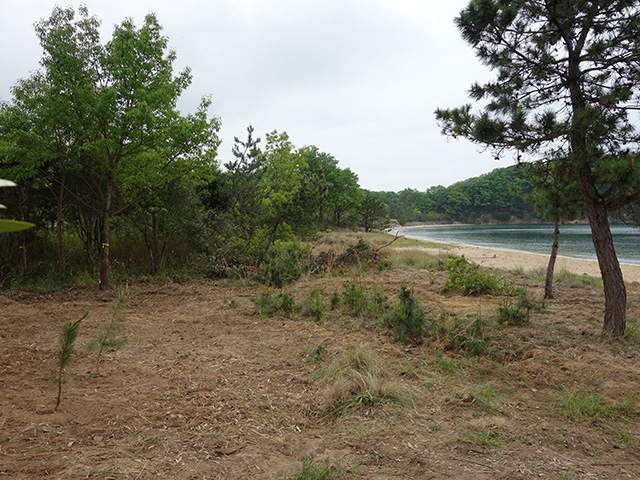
(510, 260)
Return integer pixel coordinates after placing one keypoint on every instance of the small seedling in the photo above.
(108, 337)
(67, 339)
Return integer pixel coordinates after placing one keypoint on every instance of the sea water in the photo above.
(575, 240)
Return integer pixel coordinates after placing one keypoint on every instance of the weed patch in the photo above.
(268, 304)
(588, 405)
(467, 335)
(313, 305)
(313, 471)
(362, 301)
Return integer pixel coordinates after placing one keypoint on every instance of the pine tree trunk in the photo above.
(548, 284)
(615, 292)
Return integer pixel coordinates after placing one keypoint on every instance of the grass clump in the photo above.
(517, 313)
(488, 437)
(363, 302)
(313, 305)
(486, 398)
(588, 405)
(356, 379)
(313, 471)
(470, 277)
(407, 319)
(268, 304)
(466, 335)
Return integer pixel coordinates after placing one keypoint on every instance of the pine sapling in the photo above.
(108, 337)
(67, 339)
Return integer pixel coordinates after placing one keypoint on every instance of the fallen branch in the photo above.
(388, 243)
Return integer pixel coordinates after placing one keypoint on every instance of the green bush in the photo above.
(407, 317)
(470, 277)
(284, 263)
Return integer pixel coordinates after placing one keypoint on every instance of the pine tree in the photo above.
(568, 76)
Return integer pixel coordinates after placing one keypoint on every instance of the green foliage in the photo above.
(312, 471)
(68, 338)
(467, 335)
(373, 213)
(361, 301)
(470, 277)
(334, 300)
(313, 305)
(284, 263)
(268, 305)
(518, 313)
(497, 195)
(587, 405)
(407, 318)
(109, 335)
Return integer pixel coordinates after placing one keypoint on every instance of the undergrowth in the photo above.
(472, 280)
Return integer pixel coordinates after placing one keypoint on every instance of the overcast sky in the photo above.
(359, 79)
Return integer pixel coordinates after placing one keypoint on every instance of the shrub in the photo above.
(472, 279)
(284, 263)
(407, 317)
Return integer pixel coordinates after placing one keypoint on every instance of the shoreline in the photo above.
(504, 259)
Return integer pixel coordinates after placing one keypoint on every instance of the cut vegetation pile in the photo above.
(380, 369)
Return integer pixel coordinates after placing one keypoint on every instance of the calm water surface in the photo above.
(575, 240)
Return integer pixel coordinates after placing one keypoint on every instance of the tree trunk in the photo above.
(61, 259)
(615, 292)
(548, 284)
(106, 237)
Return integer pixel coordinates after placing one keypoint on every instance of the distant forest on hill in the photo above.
(495, 197)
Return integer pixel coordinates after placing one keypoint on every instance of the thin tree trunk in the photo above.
(106, 237)
(548, 284)
(615, 292)
(61, 259)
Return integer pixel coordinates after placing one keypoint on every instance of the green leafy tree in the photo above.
(567, 78)
(117, 103)
(281, 186)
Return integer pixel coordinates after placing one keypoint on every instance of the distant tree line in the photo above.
(495, 197)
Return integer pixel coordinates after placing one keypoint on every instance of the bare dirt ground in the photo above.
(207, 389)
